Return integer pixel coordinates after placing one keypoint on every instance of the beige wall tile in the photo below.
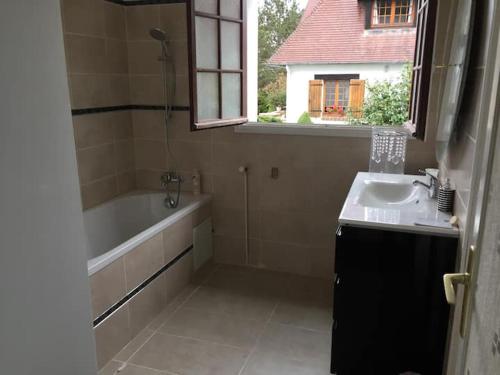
(140, 19)
(119, 90)
(182, 91)
(229, 250)
(98, 192)
(124, 156)
(92, 130)
(180, 51)
(179, 275)
(88, 90)
(107, 287)
(322, 261)
(149, 124)
(177, 237)
(173, 19)
(191, 155)
(85, 54)
(150, 154)
(83, 16)
(144, 261)
(146, 179)
(126, 182)
(147, 90)
(122, 124)
(112, 335)
(95, 163)
(116, 56)
(147, 304)
(143, 57)
(114, 19)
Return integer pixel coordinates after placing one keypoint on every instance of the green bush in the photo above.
(304, 119)
(387, 103)
(266, 118)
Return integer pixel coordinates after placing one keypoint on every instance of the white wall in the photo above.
(45, 318)
(298, 77)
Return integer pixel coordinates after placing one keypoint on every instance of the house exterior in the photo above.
(338, 46)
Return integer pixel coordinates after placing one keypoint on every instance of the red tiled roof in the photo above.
(333, 31)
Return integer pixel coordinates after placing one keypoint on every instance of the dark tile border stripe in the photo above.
(86, 111)
(138, 288)
(145, 2)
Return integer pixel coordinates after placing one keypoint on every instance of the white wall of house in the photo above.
(298, 77)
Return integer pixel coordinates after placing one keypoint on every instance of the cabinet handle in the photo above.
(335, 324)
(337, 280)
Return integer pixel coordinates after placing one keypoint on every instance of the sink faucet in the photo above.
(433, 186)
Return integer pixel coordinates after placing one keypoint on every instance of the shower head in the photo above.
(158, 34)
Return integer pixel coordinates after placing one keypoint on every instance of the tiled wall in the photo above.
(458, 160)
(97, 64)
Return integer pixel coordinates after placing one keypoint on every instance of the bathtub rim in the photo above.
(96, 264)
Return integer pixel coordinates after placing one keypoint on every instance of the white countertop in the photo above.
(363, 209)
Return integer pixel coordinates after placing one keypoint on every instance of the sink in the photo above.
(391, 195)
(393, 202)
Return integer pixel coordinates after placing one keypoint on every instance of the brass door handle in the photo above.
(449, 280)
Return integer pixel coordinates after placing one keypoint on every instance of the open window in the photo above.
(217, 62)
(314, 76)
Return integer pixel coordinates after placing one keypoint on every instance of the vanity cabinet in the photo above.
(390, 314)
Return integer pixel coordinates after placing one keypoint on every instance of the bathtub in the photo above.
(120, 225)
(141, 254)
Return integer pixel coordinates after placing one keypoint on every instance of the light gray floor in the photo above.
(236, 321)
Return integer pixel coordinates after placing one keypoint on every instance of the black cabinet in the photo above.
(390, 312)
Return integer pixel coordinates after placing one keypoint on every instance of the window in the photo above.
(335, 95)
(217, 59)
(422, 65)
(391, 13)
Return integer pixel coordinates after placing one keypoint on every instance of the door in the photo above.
(478, 351)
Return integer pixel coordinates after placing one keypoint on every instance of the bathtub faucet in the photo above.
(171, 178)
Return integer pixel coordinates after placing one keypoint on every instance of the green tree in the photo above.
(387, 102)
(277, 20)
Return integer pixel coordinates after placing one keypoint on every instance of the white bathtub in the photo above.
(118, 226)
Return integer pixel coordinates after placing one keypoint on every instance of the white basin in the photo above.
(393, 195)
(393, 202)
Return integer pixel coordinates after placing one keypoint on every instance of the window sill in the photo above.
(310, 130)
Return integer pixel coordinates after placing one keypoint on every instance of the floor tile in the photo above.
(263, 362)
(247, 305)
(297, 343)
(304, 313)
(133, 345)
(130, 369)
(186, 356)
(219, 328)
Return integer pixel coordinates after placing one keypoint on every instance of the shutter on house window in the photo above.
(315, 97)
(356, 96)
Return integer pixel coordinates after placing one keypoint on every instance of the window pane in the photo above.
(206, 43)
(230, 8)
(330, 93)
(207, 6)
(230, 45)
(343, 98)
(231, 95)
(208, 96)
